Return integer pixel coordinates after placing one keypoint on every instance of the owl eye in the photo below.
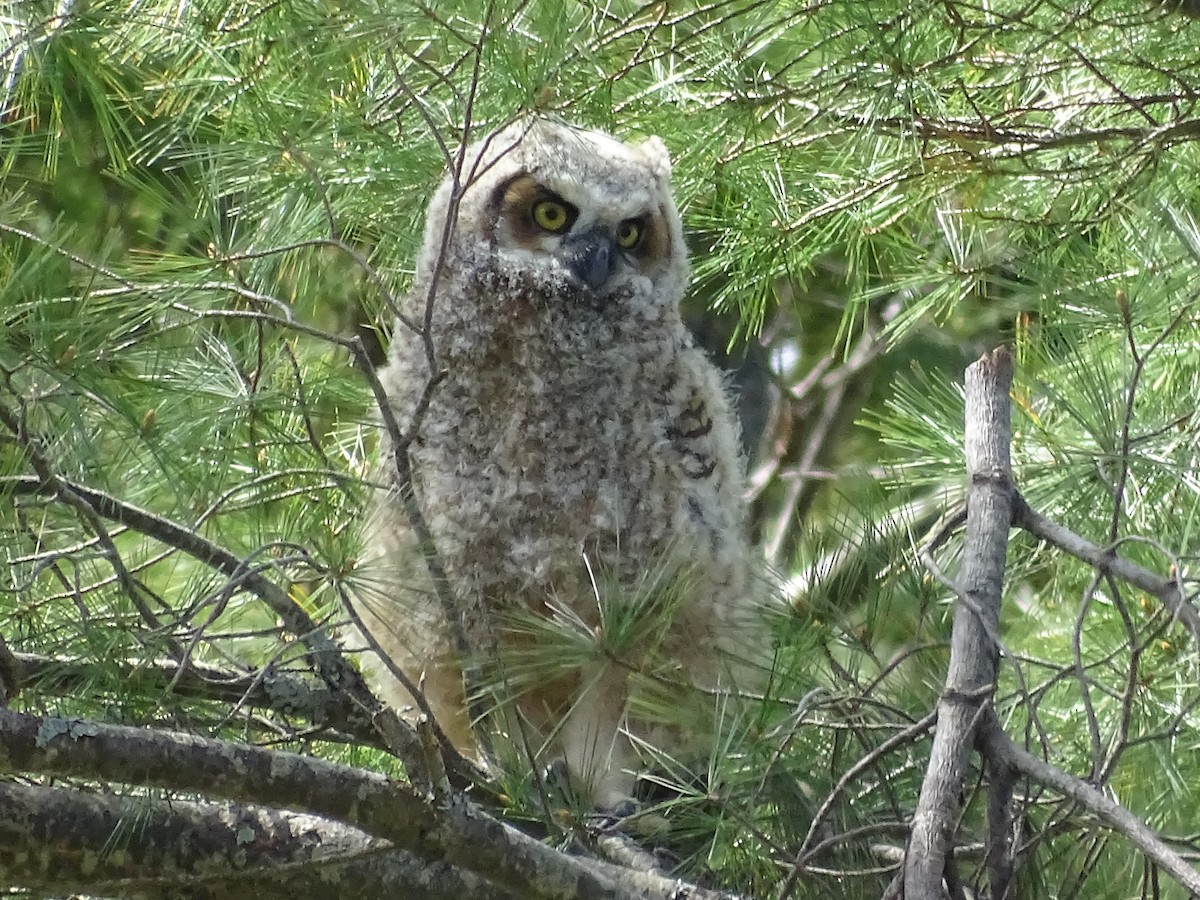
(552, 215)
(629, 234)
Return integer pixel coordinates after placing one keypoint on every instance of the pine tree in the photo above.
(207, 211)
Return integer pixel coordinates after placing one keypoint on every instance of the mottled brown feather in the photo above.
(577, 437)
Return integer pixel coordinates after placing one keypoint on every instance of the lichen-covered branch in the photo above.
(58, 840)
(446, 831)
(58, 837)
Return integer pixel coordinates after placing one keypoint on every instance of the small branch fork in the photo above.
(966, 718)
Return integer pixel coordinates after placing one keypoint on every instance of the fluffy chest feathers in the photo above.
(561, 431)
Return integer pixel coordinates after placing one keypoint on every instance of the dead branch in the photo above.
(974, 654)
(1106, 561)
(998, 745)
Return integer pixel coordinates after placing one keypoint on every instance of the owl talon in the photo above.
(624, 809)
(555, 774)
(614, 817)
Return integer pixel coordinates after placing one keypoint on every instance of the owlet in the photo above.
(574, 457)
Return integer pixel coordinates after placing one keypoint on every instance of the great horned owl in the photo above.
(574, 441)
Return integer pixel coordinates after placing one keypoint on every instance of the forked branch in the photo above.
(966, 720)
(974, 652)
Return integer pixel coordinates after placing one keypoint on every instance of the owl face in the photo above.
(579, 211)
(595, 242)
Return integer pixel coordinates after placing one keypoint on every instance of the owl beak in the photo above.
(590, 256)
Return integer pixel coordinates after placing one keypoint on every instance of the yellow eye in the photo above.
(629, 234)
(551, 215)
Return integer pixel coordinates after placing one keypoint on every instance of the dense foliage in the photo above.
(207, 210)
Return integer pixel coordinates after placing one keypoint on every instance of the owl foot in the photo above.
(623, 809)
(608, 810)
(616, 818)
(560, 786)
(631, 820)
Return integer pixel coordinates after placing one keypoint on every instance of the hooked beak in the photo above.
(590, 256)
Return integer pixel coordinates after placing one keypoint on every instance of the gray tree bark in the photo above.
(974, 643)
(57, 841)
(437, 829)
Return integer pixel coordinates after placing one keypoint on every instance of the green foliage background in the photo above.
(201, 206)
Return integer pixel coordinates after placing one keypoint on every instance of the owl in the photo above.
(574, 458)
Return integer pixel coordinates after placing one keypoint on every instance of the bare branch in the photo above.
(63, 840)
(1001, 853)
(999, 746)
(974, 654)
(47, 829)
(451, 831)
(269, 689)
(1106, 561)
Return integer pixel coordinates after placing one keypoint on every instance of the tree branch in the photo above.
(343, 680)
(1000, 746)
(279, 692)
(1106, 561)
(974, 655)
(60, 840)
(451, 831)
(68, 839)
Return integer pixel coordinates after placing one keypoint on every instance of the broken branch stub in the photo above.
(974, 643)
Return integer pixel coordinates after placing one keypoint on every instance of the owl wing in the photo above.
(691, 436)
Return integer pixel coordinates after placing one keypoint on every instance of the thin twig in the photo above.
(1105, 560)
(343, 680)
(1001, 746)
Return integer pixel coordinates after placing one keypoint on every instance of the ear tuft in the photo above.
(655, 153)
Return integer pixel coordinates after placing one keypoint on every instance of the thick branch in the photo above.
(383, 876)
(452, 831)
(60, 840)
(974, 654)
(56, 837)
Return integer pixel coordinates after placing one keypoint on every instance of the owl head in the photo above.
(575, 213)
